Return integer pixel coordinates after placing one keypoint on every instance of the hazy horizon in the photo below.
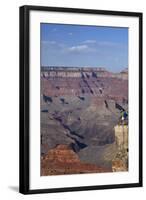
(85, 67)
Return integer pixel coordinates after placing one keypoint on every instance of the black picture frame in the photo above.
(24, 98)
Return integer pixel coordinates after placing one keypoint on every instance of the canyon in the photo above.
(80, 108)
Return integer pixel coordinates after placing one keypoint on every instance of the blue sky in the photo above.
(92, 46)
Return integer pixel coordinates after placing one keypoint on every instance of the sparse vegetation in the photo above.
(47, 98)
(82, 98)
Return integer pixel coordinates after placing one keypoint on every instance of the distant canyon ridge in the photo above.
(80, 107)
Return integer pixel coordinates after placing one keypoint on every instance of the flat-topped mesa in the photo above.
(77, 69)
(79, 72)
(73, 72)
(122, 75)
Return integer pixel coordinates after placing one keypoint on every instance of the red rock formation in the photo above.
(119, 165)
(95, 82)
(63, 160)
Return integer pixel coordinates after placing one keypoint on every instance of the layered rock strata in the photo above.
(63, 160)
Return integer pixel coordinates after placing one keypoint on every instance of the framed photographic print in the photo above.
(80, 99)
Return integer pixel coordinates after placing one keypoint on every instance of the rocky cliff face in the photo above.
(121, 136)
(82, 81)
(77, 72)
(120, 162)
(63, 160)
(80, 108)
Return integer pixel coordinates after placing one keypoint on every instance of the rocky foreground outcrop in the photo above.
(120, 162)
(63, 160)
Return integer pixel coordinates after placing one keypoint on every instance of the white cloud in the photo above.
(79, 48)
(101, 43)
(90, 41)
(94, 44)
